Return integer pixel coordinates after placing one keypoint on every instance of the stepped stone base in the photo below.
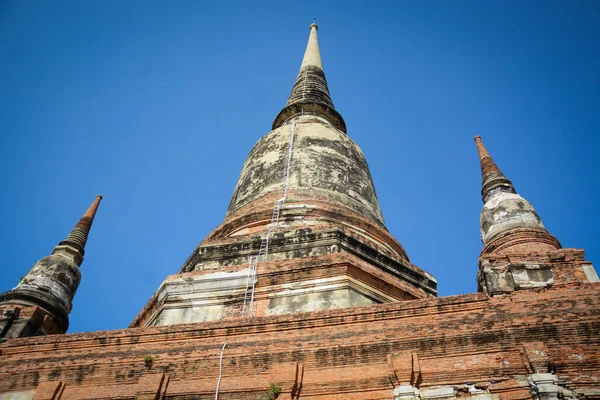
(308, 269)
(312, 284)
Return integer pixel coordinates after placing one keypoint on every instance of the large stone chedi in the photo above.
(304, 230)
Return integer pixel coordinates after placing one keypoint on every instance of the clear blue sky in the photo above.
(155, 105)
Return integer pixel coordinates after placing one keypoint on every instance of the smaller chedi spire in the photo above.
(491, 176)
(74, 244)
(310, 94)
(45, 294)
(508, 222)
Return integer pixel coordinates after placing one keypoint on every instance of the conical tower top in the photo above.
(310, 94)
(51, 284)
(77, 239)
(508, 222)
(312, 55)
(491, 176)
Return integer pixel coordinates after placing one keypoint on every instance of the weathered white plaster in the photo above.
(439, 393)
(504, 211)
(323, 294)
(326, 163)
(590, 273)
(54, 278)
(50, 285)
(408, 392)
(189, 298)
(23, 395)
(532, 276)
(500, 279)
(546, 387)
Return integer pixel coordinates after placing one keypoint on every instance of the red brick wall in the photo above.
(353, 353)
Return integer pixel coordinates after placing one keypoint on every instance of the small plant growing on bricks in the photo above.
(272, 392)
(148, 360)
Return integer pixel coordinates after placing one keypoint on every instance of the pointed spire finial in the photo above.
(491, 176)
(78, 236)
(488, 165)
(312, 55)
(310, 94)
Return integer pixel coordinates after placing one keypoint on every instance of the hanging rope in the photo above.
(220, 372)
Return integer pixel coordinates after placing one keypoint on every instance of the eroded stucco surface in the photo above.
(325, 162)
(317, 300)
(504, 211)
(23, 395)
